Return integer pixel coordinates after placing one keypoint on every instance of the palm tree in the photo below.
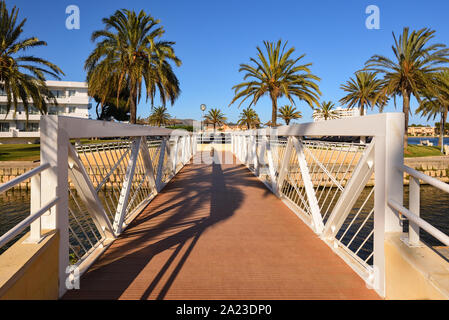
(129, 54)
(433, 106)
(215, 116)
(364, 91)
(288, 113)
(159, 116)
(249, 118)
(277, 74)
(109, 109)
(325, 111)
(412, 69)
(22, 77)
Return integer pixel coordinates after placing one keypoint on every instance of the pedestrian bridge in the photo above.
(291, 213)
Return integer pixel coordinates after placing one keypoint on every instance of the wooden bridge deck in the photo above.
(216, 232)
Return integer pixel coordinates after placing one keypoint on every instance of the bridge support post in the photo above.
(389, 157)
(54, 150)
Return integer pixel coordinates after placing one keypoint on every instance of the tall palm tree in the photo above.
(288, 113)
(325, 111)
(159, 116)
(249, 117)
(277, 74)
(438, 105)
(129, 54)
(412, 69)
(364, 91)
(22, 77)
(216, 117)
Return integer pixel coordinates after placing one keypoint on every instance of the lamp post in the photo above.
(203, 108)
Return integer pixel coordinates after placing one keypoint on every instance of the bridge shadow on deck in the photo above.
(216, 232)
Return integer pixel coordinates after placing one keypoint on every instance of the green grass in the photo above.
(19, 152)
(30, 152)
(422, 151)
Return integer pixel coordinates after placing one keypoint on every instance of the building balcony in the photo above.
(77, 99)
(20, 134)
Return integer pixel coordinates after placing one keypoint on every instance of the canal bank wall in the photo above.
(437, 167)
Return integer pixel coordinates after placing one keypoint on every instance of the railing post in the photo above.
(35, 228)
(414, 205)
(54, 150)
(389, 156)
(254, 153)
(285, 166)
(160, 164)
(174, 154)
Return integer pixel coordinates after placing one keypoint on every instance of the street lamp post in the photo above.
(203, 108)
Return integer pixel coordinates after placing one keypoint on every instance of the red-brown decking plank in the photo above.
(216, 232)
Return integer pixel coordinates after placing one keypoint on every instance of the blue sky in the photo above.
(213, 37)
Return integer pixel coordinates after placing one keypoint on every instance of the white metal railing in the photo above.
(37, 210)
(340, 189)
(413, 213)
(91, 192)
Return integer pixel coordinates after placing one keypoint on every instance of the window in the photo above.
(33, 110)
(2, 92)
(53, 110)
(33, 126)
(3, 109)
(4, 126)
(72, 109)
(71, 93)
(58, 93)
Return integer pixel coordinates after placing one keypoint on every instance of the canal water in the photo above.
(14, 207)
(417, 140)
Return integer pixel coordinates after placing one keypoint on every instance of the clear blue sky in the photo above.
(213, 37)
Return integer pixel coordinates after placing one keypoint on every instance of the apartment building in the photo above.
(73, 101)
(344, 113)
(421, 131)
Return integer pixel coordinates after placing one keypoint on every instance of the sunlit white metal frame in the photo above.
(61, 161)
(382, 157)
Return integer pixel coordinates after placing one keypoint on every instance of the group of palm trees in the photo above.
(417, 69)
(131, 60)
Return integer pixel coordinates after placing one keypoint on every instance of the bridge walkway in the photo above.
(216, 232)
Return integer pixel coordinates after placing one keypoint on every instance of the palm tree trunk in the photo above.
(96, 110)
(442, 123)
(405, 109)
(287, 121)
(362, 109)
(274, 110)
(133, 106)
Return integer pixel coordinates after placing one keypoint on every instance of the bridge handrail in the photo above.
(35, 228)
(12, 233)
(321, 180)
(27, 175)
(414, 211)
(420, 222)
(128, 172)
(427, 179)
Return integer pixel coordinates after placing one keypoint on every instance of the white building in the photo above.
(344, 113)
(72, 101)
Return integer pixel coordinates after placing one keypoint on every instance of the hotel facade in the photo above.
(343, 113)
(73, 101)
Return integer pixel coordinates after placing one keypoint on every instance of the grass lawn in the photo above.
(29, 152)
(421, 151)
(19, 152)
